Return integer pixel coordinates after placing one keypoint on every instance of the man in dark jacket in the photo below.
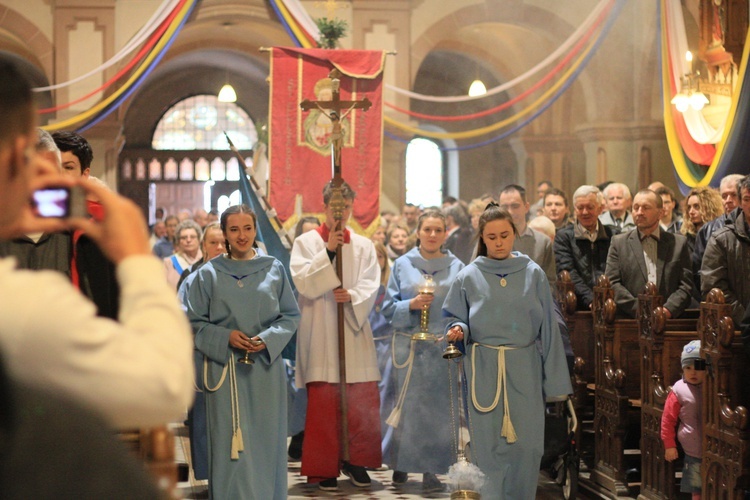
(728, 192)
(581, 248)
(649, 255)
(726, 263)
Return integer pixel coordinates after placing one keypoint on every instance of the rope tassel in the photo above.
(235, 453)
(508, 431)
(394, 418)
(238, 444)
(240, 441)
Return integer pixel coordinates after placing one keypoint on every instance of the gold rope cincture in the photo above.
(395, 416)
(238, 444)
(508, 431)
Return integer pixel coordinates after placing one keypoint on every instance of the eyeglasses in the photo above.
(188, 237)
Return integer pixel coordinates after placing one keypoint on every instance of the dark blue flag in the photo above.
(266, 232)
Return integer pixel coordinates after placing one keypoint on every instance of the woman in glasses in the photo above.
(187, 251)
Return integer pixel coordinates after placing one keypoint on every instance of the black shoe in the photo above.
(329, 484)
(357, 474)
(400, 477)
(431, 484)
(295, 447)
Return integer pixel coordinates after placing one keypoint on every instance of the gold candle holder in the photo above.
(426, 286)
(246, 359)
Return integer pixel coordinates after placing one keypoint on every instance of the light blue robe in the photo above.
(382, 334)
(520, 315)
(196, 418)
(424, 438)
(264, 306)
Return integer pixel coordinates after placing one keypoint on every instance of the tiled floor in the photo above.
(381, 488)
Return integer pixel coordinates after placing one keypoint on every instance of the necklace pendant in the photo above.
(503, 282)
(242, 285)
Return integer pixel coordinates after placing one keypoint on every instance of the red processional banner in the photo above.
(299, 141)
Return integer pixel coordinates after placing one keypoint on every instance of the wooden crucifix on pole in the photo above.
(336, 110)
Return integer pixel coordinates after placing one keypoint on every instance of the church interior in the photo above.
(607, 125)
(572, 93)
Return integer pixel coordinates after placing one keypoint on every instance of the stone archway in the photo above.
(37, 48)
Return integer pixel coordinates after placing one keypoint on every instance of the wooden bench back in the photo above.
(617, 394)
(661, 343)
(725, 469)
(155, 447)
(580, 328)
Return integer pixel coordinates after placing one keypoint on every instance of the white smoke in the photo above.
(463, 475)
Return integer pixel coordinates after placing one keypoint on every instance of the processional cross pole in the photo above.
(336, 110)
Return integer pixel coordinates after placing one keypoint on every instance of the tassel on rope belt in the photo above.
(508, 431)
(395, 416)
(238, 443)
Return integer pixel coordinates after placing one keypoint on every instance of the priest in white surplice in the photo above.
(313, 270)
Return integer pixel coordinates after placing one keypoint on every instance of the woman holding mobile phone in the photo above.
(242, 307)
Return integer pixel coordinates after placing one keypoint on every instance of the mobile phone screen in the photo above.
(52, 202)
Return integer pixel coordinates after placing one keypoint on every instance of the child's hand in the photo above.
(670, 454)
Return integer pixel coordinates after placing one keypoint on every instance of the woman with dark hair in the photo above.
(500, 305)
(306, 224)
(242, 307)
(421, 374)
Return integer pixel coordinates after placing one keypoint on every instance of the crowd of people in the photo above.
(135, 322)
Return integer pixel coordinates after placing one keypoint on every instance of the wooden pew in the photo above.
(155, 447)
(661, 344)
(617, 394)
(581, 331)
(725, 470)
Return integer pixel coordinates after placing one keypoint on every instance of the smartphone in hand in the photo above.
(59, 202)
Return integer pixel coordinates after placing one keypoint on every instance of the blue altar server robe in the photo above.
(519, 316)
(265, 306)
(382, 334)
(424, 436)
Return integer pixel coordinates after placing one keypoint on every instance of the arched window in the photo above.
(184, 135)
(424, 173)
(199, 122)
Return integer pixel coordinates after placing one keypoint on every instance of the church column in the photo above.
(615, 152)
(622, 91)
(84, 37)
(556, 158)
(386, 25)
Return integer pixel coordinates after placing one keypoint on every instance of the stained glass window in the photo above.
(199, 122)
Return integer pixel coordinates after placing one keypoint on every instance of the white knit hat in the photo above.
(690, 353)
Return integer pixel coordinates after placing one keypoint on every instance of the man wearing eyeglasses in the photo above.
(530, 242)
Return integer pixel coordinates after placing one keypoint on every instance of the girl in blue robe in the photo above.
(500, 305)
(242, 302)
(423, 436)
